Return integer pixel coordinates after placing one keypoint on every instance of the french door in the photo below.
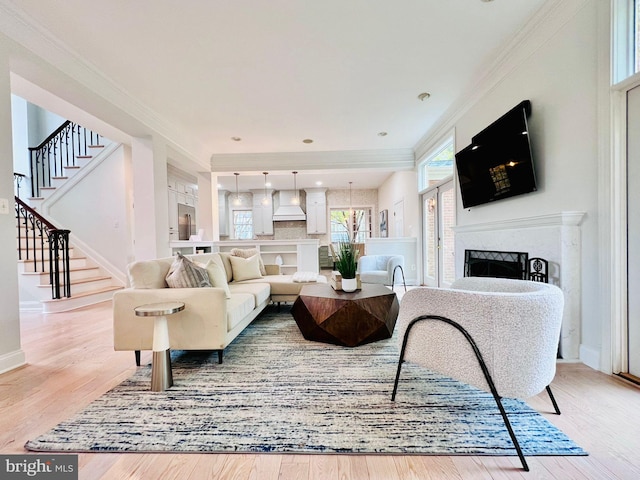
(633, 230)
(439, 214)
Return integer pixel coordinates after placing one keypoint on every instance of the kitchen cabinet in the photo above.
(262, 212)
(316, 211)
(173, 215)
(179, 193)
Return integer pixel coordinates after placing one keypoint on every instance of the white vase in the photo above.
(349, 284)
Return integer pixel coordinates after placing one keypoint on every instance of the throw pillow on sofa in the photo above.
(226, 263)
(217, 275)
(248, 253)
(245, 268)
(183, 273)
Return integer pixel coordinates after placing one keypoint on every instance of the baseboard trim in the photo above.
(590, 357)
(12, 360)
(32, 306)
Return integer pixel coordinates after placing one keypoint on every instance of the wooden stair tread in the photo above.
(77, 269)
(46, 259)
(79, 281)
(84, 294)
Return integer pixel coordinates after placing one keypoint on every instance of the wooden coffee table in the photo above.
(349, 319)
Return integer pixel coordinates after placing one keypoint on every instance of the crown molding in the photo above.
(398, 159)
(540, 28)
(49, 51)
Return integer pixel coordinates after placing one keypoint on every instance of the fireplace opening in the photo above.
(485, 263)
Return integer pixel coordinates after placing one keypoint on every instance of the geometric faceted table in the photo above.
(161, 375)
(349, 319)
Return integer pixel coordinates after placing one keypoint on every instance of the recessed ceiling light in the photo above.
(423, 96)
(486, 1)
(307, 140)
(382, 134)
(268, 184)
(236, 139)
(318, 183)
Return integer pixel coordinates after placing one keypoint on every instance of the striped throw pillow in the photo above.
(183, 273)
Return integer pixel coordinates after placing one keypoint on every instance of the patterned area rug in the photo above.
(276, 392)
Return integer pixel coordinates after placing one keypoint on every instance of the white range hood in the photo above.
(287, 207)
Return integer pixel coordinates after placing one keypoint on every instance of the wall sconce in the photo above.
(296, 200)
(237, 201)
(265, 200)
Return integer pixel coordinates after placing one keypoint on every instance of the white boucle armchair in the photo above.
(497, 334)
(382, 269)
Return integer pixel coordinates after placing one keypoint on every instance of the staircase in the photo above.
(89, 283)
(55, 163)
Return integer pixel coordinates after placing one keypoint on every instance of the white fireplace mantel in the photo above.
(554, 237)
(569, 219)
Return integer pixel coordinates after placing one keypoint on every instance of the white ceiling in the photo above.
(275, 72)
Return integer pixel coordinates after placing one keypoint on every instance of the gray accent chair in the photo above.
(382, 269)
(499, 335)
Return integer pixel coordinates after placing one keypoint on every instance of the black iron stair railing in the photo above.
(36, 235)
(18, 177)
(62, 148)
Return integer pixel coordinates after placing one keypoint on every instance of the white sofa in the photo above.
(210, 321)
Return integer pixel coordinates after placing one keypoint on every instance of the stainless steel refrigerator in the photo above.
(186, 221)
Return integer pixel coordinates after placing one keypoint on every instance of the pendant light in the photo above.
(296, 200)
(265, 200)
(237, 199)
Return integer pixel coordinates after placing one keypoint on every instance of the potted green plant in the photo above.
(347, 264)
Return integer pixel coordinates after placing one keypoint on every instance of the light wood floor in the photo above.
(71, 362)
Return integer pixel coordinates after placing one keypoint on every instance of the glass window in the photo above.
(243, 224)
(437, 165)
(350, 224)
(625, 39)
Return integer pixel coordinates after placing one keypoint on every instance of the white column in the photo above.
(205, 213)
(11, 355)
(215, 210)
(150, 198)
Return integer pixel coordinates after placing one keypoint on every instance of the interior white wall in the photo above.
(42, 123)
(20, 142)
(11, 355)
(97, 209)
(560, 79)
(402, 185)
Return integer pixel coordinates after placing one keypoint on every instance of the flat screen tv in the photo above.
(498, 163)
